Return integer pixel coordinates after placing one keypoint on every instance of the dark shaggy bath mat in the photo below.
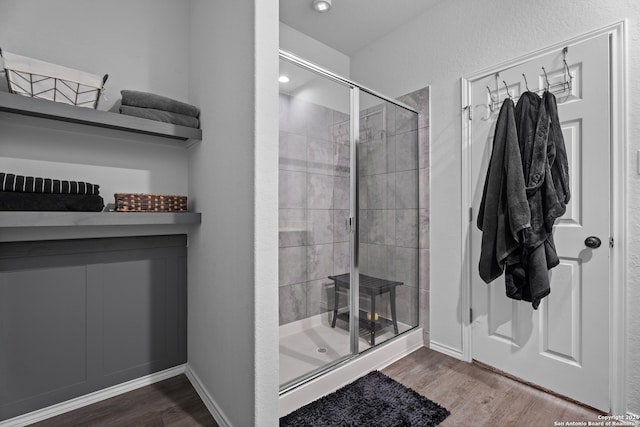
(374, 400)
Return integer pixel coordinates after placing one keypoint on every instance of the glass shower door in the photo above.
(315, 242)
(388, 210)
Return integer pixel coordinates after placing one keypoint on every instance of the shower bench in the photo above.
(371, 286)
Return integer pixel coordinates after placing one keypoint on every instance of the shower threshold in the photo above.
(310, 347)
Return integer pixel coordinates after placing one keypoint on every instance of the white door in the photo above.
(564, 345)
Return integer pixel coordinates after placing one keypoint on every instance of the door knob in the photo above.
(592, 242)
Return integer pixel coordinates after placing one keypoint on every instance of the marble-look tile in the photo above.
(341, 132)
(391, 153)
(292, 227)
(363, 158)
(391, 190)
(341, 159)
(293, 303)
(407, 151)
(390, 118)
(319, 296)
(319, 156)
(407, 190)
(391, 263)
(376, 227)
(319, 191)
(341, 192)
(340, 227)
(364, 225)
(407, 304)
(406, 121)
(292, 190)
(293, 152)
(377, 262)
(372, 121)
(406, 265)
(424, 224)
(362, 192)
(407, 228)
(390, 226)
(376, 191)
(419, 100)
(424, 269)
(424, 189)
(423, 148)
(340, 117)
(319, 261)
(377, 156)
(319, 122)
(292, 265)
(320, 226)
(341, 258)
(424, 310)
(363, 255)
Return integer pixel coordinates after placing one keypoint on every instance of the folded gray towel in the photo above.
(136, 98)
(160, 116)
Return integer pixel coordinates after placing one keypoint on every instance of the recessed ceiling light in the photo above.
(283, 79)
(321, 5)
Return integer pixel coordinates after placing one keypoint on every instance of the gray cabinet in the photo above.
(77, 316)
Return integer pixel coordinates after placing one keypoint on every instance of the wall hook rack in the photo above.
(563, 87)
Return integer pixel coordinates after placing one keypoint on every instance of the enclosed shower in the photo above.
(349, 220)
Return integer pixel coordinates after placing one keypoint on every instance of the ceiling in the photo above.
(351, 25)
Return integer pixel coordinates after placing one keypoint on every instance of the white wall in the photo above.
(314, 51)
(233, 264)
(459, 37)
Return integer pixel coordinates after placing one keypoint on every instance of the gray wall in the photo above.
(233, 182)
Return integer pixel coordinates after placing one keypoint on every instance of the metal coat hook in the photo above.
(490, 94)
(546, 77)
(526, 84)
(507, 88)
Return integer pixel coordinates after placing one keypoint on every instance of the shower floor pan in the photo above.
(309, 344)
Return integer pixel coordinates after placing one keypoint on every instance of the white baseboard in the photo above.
(449, 351)
(371, 360)
(88, 399)
(211, 405)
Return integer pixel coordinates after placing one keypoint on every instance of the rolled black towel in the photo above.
(136, 98)
(160, 116)
(13, 201)
(30, 184)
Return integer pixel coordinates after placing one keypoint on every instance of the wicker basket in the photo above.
(39, 79)
(136, 202)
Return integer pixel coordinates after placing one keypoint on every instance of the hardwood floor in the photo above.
(172, 402)
(478, 397)
(474, 395)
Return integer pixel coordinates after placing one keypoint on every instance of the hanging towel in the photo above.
(135, 98)
(504, 211)
(160, 116)
(545, 169)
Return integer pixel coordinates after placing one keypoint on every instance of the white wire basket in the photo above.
(39, 79)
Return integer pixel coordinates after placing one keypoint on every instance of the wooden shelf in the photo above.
(18, 104)
(11, 219)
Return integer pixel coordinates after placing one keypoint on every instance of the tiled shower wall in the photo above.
(314, 202)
